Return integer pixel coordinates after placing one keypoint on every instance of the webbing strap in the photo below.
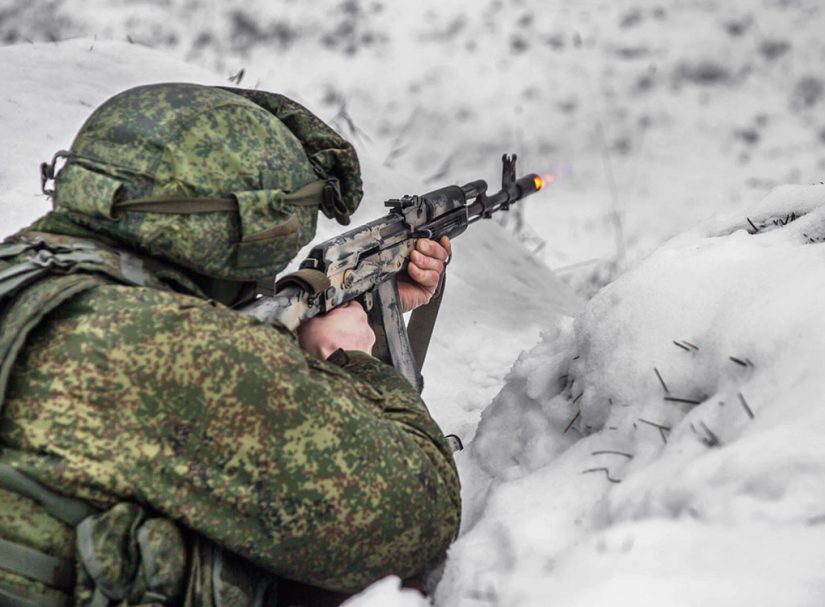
(18, 276)
(177, 206)
(13, 249)
(66, 509)
(36, 565)
(13, 598)
(312, 194)
(290, 226)
(41, 263)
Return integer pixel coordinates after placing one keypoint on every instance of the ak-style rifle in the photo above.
(362, 263)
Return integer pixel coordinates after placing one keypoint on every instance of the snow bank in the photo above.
(388, 592)
(666, 448)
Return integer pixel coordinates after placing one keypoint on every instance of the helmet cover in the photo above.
(205, 178)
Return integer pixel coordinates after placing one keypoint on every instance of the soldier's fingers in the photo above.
(431, 248)
(427, 263)
(448, 246)
(426, 278)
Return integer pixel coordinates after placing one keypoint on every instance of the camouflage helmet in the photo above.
(223, 182)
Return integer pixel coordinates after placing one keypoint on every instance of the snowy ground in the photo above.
(666, 446)
(662, 448)
(651, 114)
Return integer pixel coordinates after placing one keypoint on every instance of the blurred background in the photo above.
(646, 115)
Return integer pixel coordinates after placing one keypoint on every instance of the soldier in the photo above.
(159, 447)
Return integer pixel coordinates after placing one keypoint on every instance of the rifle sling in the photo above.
(66, 509)
(422, 322)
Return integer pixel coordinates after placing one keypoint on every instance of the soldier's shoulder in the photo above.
(113, 307)
(114, 298)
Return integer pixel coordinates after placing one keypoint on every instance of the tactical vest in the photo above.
(124, 555)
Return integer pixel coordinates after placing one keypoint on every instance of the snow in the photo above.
(651, 117)
(388, 592)
(587, 480)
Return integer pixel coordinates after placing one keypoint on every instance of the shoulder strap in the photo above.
(66, 509)
(36, 565)
(13, 597)
(54, 572)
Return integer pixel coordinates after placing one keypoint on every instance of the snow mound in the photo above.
(388, 592)
(666, 447)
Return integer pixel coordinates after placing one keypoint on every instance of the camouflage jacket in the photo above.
(154, 405)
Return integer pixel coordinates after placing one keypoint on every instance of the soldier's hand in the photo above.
(423, 272)
(345, 327)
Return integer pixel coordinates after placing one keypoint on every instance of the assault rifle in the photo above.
(361, 264)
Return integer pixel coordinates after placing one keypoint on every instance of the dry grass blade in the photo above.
(677, 399)
(606, 472)
(661, 381)
(572, 421)
(612, 452)
(745, 406)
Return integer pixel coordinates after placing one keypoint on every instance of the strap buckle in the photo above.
(47, 172)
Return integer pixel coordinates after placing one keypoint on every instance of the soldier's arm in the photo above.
(355, 478)
(330, 474)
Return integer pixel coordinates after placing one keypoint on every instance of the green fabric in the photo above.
(12, 597)
(25, 313)
(188, 143)
(25, 523)
(127, 555)
(312, 194)
(69, 511)
(20, 559)
(177, 206)
(330, 154)
(78, 265)
(330, 474)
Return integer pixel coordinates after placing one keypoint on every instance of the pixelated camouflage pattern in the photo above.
(330, 154)
(163, 557)
(188, 141)
(329, 473)
(25, 522)
(19, 315)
